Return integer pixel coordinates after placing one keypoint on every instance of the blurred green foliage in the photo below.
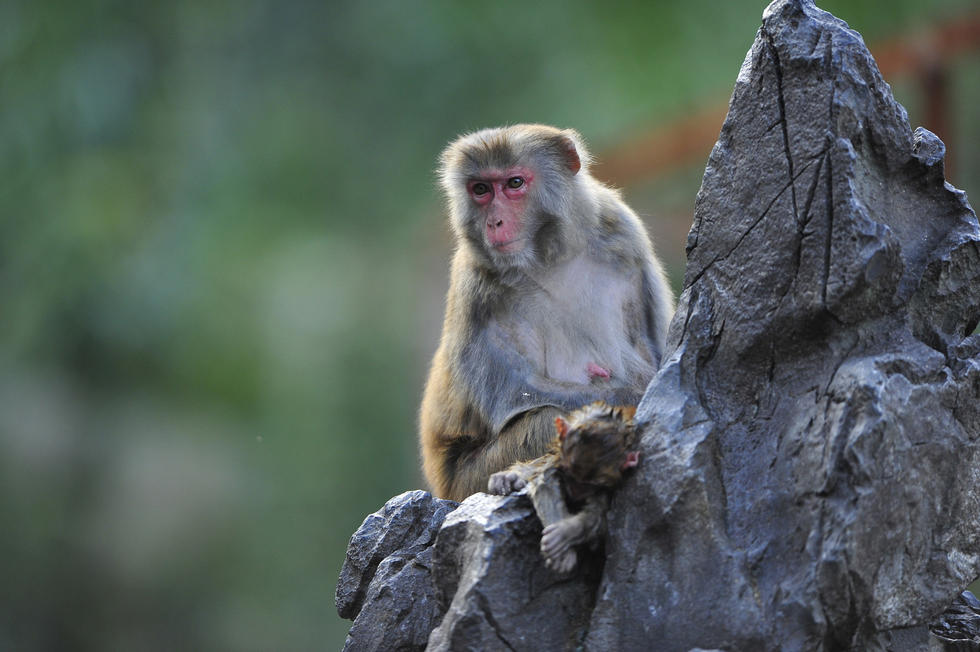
(222, 261)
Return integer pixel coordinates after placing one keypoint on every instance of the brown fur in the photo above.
(518, 327)
(570, 485)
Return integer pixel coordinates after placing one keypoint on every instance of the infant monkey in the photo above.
(587, 459)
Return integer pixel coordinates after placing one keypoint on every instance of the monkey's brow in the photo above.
(494, 174)
(490, 155)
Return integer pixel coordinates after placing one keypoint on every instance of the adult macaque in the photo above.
(555, 300)
(571, 485)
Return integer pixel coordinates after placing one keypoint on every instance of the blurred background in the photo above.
(223, 259)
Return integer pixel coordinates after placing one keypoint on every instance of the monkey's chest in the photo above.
(585, 319)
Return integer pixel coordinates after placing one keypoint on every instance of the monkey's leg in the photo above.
(524, 438)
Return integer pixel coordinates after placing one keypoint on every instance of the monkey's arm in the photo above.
(459, 449)
(546, 495)
(549, 504)
(470, 462)
(558, 538)
(658, 303)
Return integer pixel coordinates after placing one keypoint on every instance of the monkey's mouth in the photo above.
(510, 246)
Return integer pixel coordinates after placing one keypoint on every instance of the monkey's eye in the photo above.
(515, 182)
(480, 188)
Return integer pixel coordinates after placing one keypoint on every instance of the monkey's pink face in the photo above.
(501, 194)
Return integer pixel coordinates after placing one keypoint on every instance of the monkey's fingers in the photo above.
(555, 540)
(505, 482)
(496, 484)
(562, 563)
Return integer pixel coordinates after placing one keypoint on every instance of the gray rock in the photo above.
(482, 578)
(809, 475)
(959, 626)
(810, 455)
(384, 584)
(499, 595)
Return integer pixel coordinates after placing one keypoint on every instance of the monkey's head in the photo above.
(513, 192)
(597, 444)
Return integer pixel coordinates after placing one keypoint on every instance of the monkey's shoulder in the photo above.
(619, 236)
(476, 291)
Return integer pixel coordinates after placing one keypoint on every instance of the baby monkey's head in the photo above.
(597, 443)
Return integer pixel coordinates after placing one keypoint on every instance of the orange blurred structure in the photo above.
(926, 55)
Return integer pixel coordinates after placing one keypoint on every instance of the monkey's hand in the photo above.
(506, 482)
(562, 563)
(514, 478)
(557, 540)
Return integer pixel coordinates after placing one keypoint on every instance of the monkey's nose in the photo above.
(495, 223)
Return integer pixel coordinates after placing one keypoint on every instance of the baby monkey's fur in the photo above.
(570, 485)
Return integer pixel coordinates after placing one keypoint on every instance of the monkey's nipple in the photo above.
(595, 371)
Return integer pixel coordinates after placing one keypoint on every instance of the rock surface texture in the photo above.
(810, 475)
(480, 585)
(386, 581)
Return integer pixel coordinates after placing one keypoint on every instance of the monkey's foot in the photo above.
(505, 482)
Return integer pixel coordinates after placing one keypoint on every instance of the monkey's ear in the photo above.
(570, 151)
(632, 459)
(561, 427)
